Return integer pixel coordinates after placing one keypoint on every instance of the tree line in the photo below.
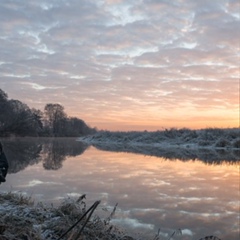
(17, 119)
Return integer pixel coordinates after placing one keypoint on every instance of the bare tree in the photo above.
(56, 118)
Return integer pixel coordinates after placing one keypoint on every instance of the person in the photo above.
(3, 165)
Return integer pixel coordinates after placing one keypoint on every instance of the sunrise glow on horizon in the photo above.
(125, 64)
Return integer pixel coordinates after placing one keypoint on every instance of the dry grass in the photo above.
(20, 219)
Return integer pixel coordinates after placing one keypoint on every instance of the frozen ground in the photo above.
(21, 218)
(211, 145)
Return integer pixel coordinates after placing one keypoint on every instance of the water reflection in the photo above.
(212, 156)
(22, 152)
(55, 152)
(151, 192)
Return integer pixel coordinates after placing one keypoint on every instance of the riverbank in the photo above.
(185, 138)
(21, 218)
(207, 145)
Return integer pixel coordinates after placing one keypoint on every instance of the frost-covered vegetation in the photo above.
(20, 218)
(210, 145)
(204, 138)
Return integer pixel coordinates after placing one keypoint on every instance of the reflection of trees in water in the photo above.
(53, 155)
(212, 156)
(22, 152)
(56, 151)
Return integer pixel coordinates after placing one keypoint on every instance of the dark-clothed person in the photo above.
(3, 165)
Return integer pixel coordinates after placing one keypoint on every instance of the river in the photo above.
(152, 192)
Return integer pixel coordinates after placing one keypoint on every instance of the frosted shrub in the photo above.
(233, 133)
(236, 143)
(222, 143)
(172, 133)
(204, 143)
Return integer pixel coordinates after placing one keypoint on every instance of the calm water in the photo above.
(152, 192)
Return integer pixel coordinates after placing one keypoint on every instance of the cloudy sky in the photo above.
(125, 64)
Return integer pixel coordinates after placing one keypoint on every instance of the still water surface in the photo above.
(152, 192)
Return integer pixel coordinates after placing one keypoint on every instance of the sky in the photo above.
(125, 64)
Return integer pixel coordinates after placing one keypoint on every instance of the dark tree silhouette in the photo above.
(55, 118)
(17, 119)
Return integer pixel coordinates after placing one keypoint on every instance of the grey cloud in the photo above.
(110, 56)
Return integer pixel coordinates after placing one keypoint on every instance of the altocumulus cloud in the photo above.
(141, 64)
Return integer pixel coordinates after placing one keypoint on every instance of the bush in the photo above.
(204, 143)
(222, 143)
(236, 143)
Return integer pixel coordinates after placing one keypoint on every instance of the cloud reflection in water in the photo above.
(151, 192)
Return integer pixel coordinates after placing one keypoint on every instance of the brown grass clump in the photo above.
(21, 219)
